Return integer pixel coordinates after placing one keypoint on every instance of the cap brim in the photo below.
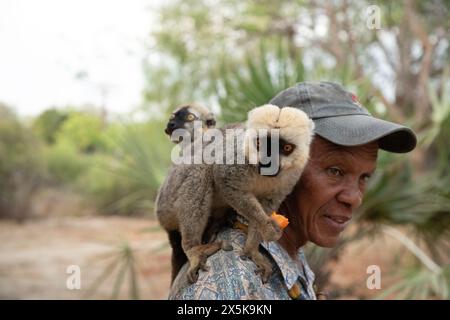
(354, 130)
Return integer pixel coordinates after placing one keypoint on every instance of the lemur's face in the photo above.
(184, 118)
(285, 145)
(273, 158)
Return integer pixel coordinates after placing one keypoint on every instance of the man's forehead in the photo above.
(323, 148)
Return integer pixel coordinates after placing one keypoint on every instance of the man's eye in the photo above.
(336, 172)
(366, 178)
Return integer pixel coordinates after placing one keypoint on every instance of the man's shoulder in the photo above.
(228, 276)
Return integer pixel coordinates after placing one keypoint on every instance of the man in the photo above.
(342, 158)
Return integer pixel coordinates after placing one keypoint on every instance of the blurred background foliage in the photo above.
(234, 55)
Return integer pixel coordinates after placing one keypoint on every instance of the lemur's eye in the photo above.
(190, 117)
(172, 116)
(288, 148)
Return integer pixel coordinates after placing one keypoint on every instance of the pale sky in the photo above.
(45, 44)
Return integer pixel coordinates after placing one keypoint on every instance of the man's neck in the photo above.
(291, 241)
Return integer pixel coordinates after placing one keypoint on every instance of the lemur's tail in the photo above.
(178, 256)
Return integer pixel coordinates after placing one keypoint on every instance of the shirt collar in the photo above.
(291, 269)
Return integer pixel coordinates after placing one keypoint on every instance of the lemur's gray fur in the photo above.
(193, 195)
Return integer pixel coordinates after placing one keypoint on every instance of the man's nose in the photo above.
(351, 195)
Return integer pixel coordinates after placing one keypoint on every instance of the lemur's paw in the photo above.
(271, 231)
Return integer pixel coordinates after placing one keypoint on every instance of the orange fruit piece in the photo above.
(281, 220)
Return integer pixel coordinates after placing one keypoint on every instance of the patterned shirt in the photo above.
(231, 278)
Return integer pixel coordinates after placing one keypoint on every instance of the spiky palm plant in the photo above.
(259, 79)
(421, 280)
(127, 182)
(122, 261)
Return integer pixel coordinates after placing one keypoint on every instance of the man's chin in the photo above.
(326, 242)
(327, 232)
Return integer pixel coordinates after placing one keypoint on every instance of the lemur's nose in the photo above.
(171, 125)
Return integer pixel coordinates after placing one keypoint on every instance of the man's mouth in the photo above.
(336, 223)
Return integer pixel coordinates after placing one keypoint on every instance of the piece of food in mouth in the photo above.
(281, 220)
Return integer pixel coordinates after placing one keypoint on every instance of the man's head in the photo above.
(343, 157)
(330, 190)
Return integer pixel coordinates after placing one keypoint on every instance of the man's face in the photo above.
(331, 188)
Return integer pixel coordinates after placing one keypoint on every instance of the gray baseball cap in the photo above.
(340, 118)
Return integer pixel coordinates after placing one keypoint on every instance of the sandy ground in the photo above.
(34, 258)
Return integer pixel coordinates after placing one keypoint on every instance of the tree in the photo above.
(49, 122)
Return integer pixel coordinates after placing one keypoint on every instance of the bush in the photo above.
(110, 191)
(126, 180)
(64, 163)
(48, 123)
(21, 166)
(84, 131)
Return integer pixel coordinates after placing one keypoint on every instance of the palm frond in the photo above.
(123, 262)
(263, 75)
